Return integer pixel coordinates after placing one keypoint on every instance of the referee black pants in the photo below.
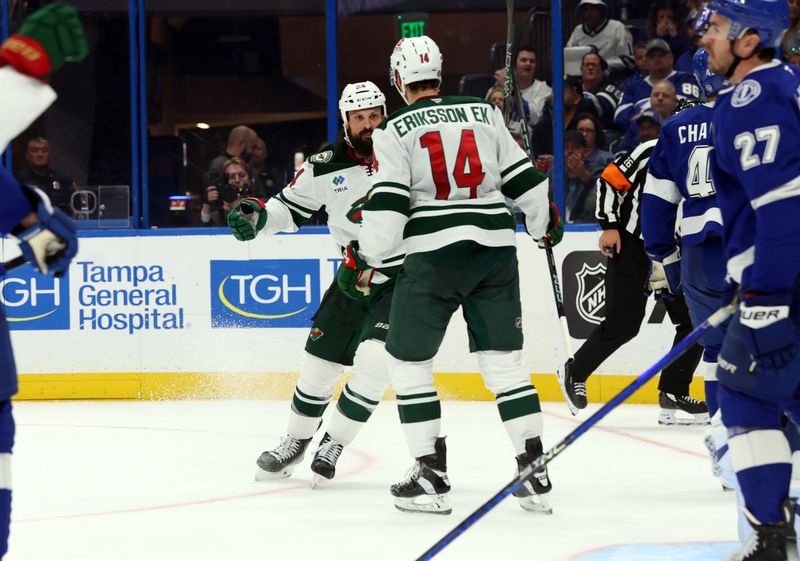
(626, 275)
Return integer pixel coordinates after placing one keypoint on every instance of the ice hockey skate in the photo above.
(324, 463)
(768, 542)
(671, 404)
(280, 462)
(533, 495)
(574, 392)
(426, 485)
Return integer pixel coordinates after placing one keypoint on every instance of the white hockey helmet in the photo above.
(415, 59)
(360, 95)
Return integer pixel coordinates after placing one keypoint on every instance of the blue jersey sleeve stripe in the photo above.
(663, 189)
(691, 225)
(738, 263)
(785, 191)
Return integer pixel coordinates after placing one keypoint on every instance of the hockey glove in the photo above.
(247, 219)
(354, 274)
(665, 277)
(769, 332)
(555, 229)
(49, 244)
(47, 39)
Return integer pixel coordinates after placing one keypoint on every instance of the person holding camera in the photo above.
(219, 199)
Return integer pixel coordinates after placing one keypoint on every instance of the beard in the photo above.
(361, 144)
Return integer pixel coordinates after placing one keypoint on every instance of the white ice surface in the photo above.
(127, 481)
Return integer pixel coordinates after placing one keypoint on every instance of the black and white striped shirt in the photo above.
(619, 190)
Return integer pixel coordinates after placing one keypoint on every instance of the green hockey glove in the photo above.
(555, 229)
(354, 274)
(47, 39)
(247, 219)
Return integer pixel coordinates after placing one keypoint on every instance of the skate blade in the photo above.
(669, 419)
(318, 479)
(539, 504)
(425, 504)
(264, 475)
(562, 383)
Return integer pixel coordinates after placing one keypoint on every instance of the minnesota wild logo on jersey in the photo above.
(354, 214)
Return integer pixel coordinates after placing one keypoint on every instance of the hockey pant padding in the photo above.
(417, 404)
(710, 385)
(312, 394)
(505, 375)
(759, 452)
(362, 393)
(7, 430)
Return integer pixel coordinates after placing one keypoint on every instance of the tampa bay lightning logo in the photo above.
(745, 93)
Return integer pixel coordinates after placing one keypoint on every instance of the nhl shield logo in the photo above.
(590, 299)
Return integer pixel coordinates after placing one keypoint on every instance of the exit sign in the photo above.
(410, 25)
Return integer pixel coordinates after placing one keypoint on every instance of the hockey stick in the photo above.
(715, 320)
(14, 263)
(508, 83)
(511, 75)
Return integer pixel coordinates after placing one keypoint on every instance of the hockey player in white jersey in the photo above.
(337, 178)
(445, 165)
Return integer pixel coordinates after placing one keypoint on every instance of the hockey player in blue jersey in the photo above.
(756, 172)
(46, 236)
(679, 172)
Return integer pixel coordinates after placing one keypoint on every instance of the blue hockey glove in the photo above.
(49, 244)
(354, 275)
(769, 332)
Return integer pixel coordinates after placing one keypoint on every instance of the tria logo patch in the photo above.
(315, 334)
(338, 180)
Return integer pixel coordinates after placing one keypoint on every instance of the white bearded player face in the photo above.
(361, 95)
(414, 60)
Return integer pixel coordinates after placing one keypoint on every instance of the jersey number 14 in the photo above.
(468, 171)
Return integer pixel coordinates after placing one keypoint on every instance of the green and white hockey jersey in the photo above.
(336, 179)
(445, 166)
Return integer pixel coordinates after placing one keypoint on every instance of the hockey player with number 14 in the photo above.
(47, 39)
(444, 167)
(756, 172)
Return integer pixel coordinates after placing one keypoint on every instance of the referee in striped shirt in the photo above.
(619, 192)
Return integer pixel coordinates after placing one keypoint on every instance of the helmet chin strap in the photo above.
(737, 59)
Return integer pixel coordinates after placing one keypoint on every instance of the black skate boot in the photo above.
(671, 403)
(280, 462)
(574, 391)
(533, 495)
(768, 542)
(325, 458)
(426, 485)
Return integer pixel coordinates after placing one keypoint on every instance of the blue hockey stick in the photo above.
(715, 320)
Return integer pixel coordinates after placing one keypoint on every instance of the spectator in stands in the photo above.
(662, 101)
(242, 142)
(235, 184)
(37, 172)
(683, 63)
(534, 92)
(596, 88)
(609, 36)
(793, 33)
(496, 96)
(648, 125)
(597, 156)
(665, 22)
(580, 194)
(263, 183)
(574, 105)
(792, 52)
(640, 59)
(659, 67)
